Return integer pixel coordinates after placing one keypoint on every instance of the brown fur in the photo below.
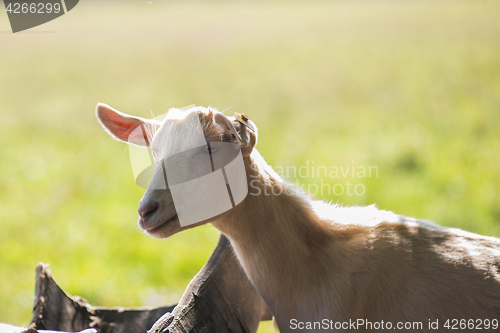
(309, 262)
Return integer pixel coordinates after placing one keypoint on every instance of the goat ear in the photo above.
(135, 130)
(237, 133)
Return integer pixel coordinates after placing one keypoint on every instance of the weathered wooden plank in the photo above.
(219, 299)
(5, 328)
(57, 311)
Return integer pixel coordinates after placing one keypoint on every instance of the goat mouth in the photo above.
(161, 225)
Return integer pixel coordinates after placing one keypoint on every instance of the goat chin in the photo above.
(170, 228)
(165, 229)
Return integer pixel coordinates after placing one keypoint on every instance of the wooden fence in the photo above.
(219, 299)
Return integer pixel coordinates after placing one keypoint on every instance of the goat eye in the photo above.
(207, 149)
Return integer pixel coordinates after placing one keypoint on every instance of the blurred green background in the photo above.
(410, 87)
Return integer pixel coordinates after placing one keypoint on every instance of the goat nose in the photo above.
(147, 208)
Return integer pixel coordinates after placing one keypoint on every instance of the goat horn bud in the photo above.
(243, 119)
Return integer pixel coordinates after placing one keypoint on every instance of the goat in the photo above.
(322, 267)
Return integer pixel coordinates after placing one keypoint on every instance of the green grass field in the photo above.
(410, 88)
